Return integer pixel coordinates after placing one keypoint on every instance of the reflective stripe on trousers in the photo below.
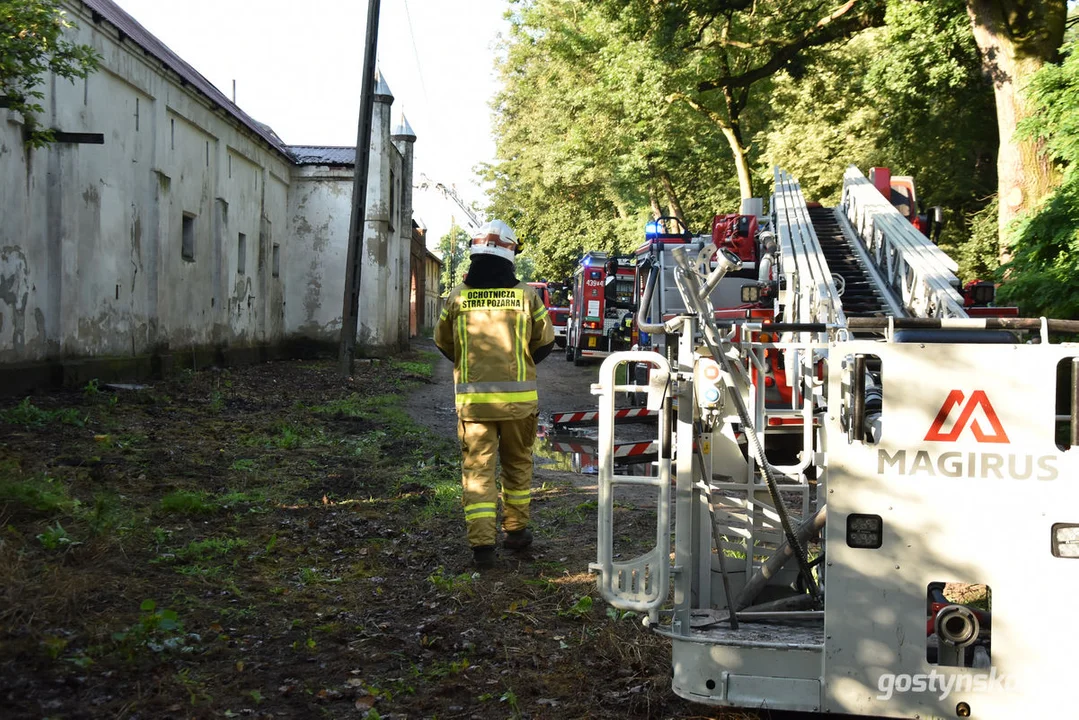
(483, 445)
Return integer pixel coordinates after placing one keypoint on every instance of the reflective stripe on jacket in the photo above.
(491, 334)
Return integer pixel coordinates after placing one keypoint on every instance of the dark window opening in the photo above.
(241, 254)
(187, 248)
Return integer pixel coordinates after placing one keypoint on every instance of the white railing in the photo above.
(919, 273)
(809, 295)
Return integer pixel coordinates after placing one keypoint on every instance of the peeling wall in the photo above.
(91, 261)
(92, 242)
(319, 211)
(319, 208)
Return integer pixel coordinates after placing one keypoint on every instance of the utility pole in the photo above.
(358, 220)
(453, 253)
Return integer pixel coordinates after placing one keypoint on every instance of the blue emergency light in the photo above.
(651, 230)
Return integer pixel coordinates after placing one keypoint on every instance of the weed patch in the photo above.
(30, 415)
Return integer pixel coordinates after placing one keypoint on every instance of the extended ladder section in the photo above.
(809, 293)
(919, 274)
(862, 289)
(861, 259)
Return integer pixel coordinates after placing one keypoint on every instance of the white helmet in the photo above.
(495, 238)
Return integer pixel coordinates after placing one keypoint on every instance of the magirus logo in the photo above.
(973, 413)
(977, 401)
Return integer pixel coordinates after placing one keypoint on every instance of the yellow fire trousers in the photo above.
(482, 444)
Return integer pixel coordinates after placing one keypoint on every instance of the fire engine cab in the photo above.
(601, 307)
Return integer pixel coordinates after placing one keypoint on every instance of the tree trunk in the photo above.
(732, 130)
(734, 139)
(1016, 38)
(672, 196)
(657, 211)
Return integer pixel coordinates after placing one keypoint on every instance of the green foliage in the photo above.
(613, 112)
(56, 537)
(617, 615)
(579, 609)
(422, 369)
(32, 43)
(207, 549)
(187, 502)
(979, 256)
(936, 104)
(31, 416)
(38, 493)
(910, 96)
(462, 584)
(1043, 275)
(453, 246)
(605, 100)
(156, 630)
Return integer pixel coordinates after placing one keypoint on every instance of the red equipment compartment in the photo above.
(737, 233)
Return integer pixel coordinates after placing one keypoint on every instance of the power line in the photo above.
(416, 55)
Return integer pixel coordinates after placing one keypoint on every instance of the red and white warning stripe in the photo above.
(622, 451)
(588, 447)
(635, 450)
(591, 417)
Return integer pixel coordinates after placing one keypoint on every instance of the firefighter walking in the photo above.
(495, 329)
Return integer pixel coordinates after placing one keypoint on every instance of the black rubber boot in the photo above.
(518, 539)
(483, 556)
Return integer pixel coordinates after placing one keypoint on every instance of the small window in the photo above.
(393, 200)
(241, 254)
(230, 165)
(1067, 403)
(262, 251)
(864, 410)
(187, 249)
(276, 260)
(172, 133)
(136, 114)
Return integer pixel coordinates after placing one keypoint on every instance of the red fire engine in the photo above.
(601, 307)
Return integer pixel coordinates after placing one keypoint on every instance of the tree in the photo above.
(31, 44)
(588, 146)
(1016, 39)
(453, 246)
(723, 48)
(1043, 275)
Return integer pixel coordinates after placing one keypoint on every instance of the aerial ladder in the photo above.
(450, 193)
(903, 563)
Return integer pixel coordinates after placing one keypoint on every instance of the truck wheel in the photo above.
(569, 353)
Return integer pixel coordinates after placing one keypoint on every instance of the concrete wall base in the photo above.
(22, 379)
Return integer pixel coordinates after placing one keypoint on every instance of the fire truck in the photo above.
(558, 309)
(738, 234)
(906, 561)
(601, 307)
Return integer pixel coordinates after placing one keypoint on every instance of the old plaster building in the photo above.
(166, 225)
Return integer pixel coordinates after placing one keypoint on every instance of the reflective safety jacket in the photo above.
(491, 334)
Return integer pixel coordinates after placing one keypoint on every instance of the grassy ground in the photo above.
(277, 541)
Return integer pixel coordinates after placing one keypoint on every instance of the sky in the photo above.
(297, 68)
